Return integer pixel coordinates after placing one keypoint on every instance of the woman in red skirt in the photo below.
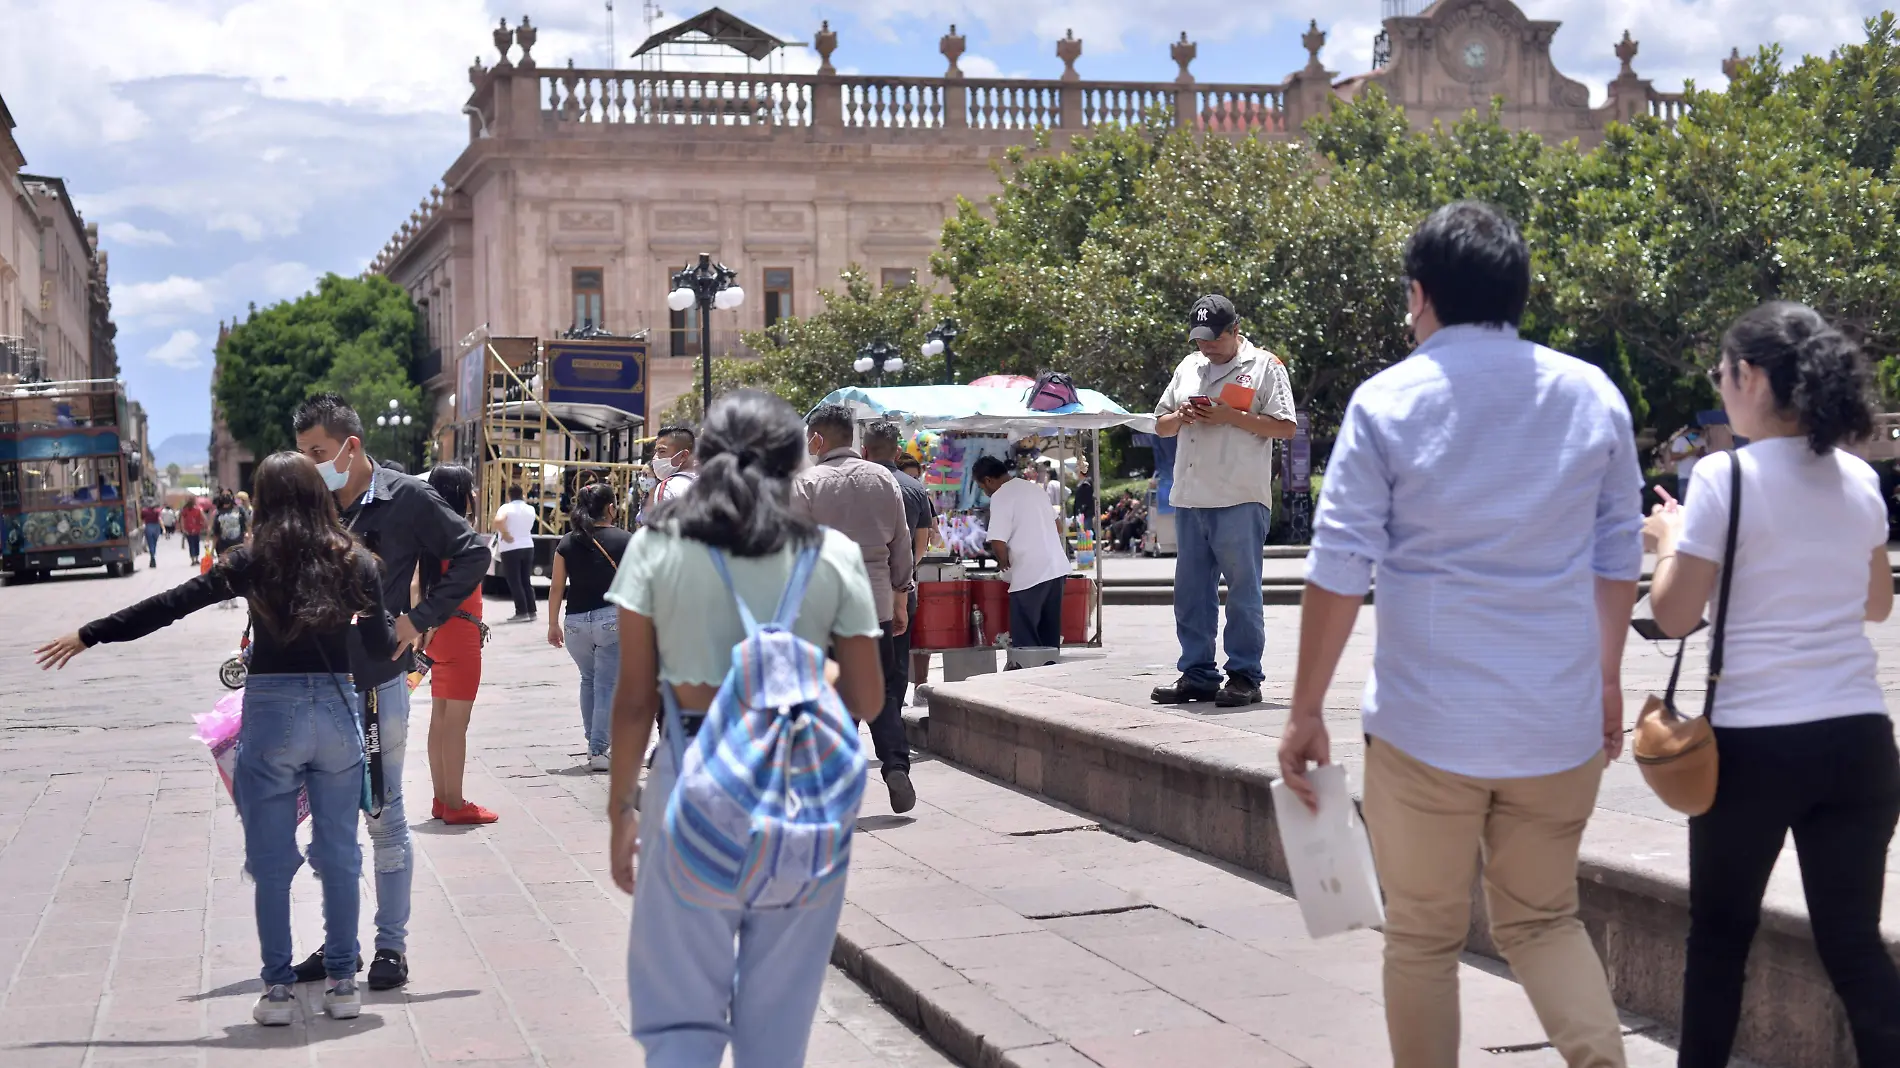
(456, 649)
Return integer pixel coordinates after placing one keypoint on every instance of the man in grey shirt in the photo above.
(848, 493)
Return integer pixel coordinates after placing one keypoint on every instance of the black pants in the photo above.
(887, 730)
(1836, 784)
(516, 564)
(192, 548)
(1035, 615)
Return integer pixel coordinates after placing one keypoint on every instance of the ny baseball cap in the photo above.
(1213, 315)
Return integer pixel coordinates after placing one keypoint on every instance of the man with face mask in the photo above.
(845, 491)
(400, 519)
(674, 468)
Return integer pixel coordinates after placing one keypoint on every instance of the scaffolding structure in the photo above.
(513, 435)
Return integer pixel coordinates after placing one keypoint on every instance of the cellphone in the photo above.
(1201, 402)
(1649, 631)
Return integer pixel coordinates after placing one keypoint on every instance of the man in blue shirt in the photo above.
(1493, 483)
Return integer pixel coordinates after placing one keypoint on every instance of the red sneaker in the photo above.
(469, 813)
(436, 809)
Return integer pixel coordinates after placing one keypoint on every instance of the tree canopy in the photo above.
(359, 337)
(1781, 185)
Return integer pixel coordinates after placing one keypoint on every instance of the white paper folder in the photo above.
(1329, 856)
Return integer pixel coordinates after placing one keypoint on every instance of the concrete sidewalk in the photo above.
(1017, 932)
(126, 929)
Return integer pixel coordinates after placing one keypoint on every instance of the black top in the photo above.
(920, 512)
(589, 569)
(229, 527)
(231, 577)
(1084, 498)
(402, 520)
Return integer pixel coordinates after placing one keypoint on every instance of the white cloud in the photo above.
(125, 233)
(165, 299)
(183, 351)
(975, 66)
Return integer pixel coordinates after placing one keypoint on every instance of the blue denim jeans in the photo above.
(389, 831)
(152, 531)
(299, 731)
(699, 979)
(1215, 544)
(593, 640)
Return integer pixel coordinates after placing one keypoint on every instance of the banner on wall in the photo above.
(608, 372)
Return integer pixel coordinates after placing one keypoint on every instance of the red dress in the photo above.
(457, 652)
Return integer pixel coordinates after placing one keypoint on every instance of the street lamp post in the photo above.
(938, 342)
(709, 285)
(395, 420)
(880, 356)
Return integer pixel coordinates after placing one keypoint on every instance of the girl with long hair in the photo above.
(1800, 721)
(305, 580)
(584, 564)
(456, 650)
(688, 991)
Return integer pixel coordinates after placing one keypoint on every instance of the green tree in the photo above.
(356, 336)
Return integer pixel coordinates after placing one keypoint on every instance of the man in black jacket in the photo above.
(400, 519)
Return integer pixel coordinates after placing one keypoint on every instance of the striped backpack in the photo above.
(767, 795)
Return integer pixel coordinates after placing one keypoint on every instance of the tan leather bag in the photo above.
(1677, 753)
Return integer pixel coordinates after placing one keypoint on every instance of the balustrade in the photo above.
(1240, 109)
(1124, 103)
(678, 99)
(1669, 107)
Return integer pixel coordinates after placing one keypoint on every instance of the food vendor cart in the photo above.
(962, 606)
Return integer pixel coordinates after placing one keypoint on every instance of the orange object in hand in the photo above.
(1237, 396)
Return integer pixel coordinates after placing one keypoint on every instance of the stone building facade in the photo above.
(66, 266)
(581, 191)
(231, 461)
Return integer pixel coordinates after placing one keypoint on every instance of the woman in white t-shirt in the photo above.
(1805, 740)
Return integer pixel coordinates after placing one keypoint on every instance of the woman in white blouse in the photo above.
(1801, 725)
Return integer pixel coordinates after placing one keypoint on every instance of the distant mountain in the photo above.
(185, 450)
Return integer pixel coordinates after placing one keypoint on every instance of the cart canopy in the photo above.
(982, 409)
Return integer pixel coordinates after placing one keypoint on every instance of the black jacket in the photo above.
(403, 521)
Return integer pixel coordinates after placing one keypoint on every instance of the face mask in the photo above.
(665, 466)
(333, 479)
(647, 482)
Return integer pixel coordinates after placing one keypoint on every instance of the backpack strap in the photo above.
(725, 575)
(794, 596)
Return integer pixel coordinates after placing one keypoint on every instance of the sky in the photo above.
(232, 151)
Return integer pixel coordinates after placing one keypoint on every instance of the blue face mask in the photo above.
(333, 479)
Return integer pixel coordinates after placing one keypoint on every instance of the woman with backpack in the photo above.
(305, 580)
(724, 953)
(584, 564)
(455, 649)
(1802, 733)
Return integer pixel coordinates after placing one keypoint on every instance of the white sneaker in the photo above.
(276, 1007)
(342, 1000)
(599, 762)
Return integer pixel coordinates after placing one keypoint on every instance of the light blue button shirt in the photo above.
(1490, 481)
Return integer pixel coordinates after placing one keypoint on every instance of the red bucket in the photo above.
(1078, 597)
(991, 597)
(943, 616)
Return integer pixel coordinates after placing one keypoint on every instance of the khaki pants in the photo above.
(1429, 828)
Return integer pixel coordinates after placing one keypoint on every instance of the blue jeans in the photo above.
(389, 831)
(1216, 544)
(593, 640)
(299, 731)
(152, 531)
(691, 991)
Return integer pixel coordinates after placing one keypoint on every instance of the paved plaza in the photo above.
(1013, 930)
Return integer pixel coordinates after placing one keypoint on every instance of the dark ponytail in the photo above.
(1817, 374)
(591, 504)
(751, 445)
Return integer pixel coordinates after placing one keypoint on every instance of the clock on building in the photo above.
(1475, 55)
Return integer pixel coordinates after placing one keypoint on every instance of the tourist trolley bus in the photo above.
(64, 475)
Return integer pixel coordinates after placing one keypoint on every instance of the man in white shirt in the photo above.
(1227, 403)
(1023, 539)
(514, 521)
(674, 468)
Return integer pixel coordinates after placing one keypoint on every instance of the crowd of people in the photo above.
(764, 538)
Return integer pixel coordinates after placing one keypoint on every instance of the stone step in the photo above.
(1204, 786)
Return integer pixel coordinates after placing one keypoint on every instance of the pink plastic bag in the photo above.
(218, 730)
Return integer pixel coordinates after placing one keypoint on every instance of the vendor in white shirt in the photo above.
(1026, 544)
